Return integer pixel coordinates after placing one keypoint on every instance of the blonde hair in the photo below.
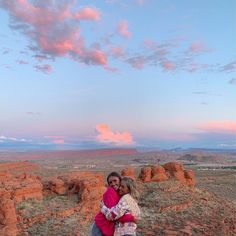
(130, 183)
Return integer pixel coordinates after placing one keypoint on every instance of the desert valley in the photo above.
(58, 192)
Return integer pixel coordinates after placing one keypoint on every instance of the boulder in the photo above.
(129, 172)
(8, 217)
(145, 174)
(29, 187)
(89, 196)
(190, 177)
(56, 185)
(173, 167)
(158, 174)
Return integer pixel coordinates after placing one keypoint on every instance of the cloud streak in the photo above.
(56, 139)
(225, 126)
(11, 139)
(44, 68)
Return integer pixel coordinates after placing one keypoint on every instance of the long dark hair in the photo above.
(115, 174)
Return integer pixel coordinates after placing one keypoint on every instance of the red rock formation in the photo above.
(23, 187)
(145, 174)
(29, 187)
(129, 171)
(90, 195)
(190, 178)
(176, 169)
(8, 218)
(158, 174)
(173, 167)
(55, 185)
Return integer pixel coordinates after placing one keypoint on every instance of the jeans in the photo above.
(95, 231)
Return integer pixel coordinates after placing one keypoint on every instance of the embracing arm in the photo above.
(117, 211)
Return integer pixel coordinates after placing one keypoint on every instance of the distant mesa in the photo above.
(72, 154)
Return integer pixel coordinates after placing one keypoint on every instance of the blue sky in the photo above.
(137, 73)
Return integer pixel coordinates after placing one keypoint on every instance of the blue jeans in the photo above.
(95, 231)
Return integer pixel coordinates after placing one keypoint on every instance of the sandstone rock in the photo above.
(23, 186)
(158, 174)
(8, 217)
(179, 175)
(129, 171)
(173, 166)
(56, 185)
(145, 174)
(89, 196)
(190, 178)
(28, 187)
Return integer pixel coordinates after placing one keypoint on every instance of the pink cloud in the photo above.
(56, 139)
(44, 68)
(105, 134)
(88, 13)
(198, 47)
(141, 2)
(117, 51)
(167, 65)
(54, 29)
(59, 141)
(123, 29)
(137, 62)
(149, 43)
(94, 56)
(224, 126)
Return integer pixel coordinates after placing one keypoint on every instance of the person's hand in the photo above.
(102, 203)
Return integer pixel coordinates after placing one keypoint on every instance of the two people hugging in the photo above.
(119, 208)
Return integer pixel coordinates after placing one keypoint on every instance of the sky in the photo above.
(117, 73)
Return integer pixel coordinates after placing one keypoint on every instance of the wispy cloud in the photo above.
(123, 29)
(224, 126)
(12, 139)
(41, 57)
(232, 81)
(31, 113)
(44, 68)
(106, 135)
(230, 67)
(198, 47)
(56, 139)
(168, 65)
(22, 62)
(137, 62)
(88, 13)
(169, 56)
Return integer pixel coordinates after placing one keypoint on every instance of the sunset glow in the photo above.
(144, 74)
